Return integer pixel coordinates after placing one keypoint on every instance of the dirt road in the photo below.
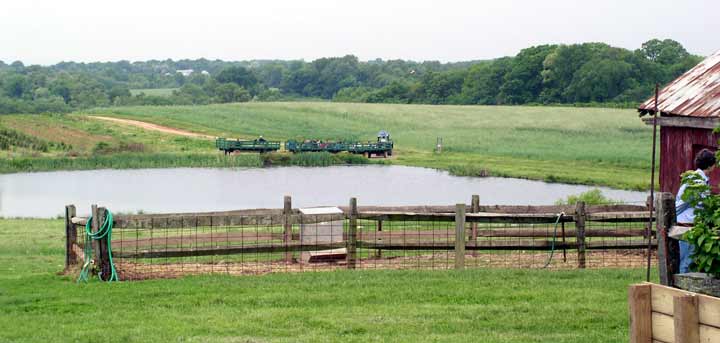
(153, 127)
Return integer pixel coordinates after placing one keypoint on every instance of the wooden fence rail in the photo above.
(164, 221)
(467, 235)
(504, 213)
(529, 245)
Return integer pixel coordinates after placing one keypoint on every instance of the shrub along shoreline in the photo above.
(178, 160)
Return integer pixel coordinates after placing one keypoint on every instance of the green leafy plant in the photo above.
(591, 197)
(704, 233)
(11, 138)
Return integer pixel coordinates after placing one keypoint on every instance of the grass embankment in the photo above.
(593, 146)
(358, 306)
(63, 142)
(129, 161)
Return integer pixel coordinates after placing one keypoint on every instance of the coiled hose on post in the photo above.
(103, 232)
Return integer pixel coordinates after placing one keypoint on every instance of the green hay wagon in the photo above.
(372, 148)
(315, 146)
(258, 145)
(383, 146)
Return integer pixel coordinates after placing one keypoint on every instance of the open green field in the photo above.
(577, 145)
(594, 146)
(352, 306)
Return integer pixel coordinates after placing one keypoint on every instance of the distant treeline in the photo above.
(588, 74)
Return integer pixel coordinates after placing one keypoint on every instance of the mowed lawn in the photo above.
(394, 306)
(599, 146)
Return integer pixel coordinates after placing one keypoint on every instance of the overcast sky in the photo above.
(49, 31)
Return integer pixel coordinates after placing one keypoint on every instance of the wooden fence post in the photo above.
(668, 249)
(378, 252)
(287, 226)
(639, 301)
(459, 236)
(580, 215)
(71, 257)
(686, 317)
(104, 258)
(95, 244)
(352, 235)
(474, 208)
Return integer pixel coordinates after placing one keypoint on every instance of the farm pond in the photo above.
(44, 194)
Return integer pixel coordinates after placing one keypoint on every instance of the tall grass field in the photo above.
(594, 146)
(577, 145)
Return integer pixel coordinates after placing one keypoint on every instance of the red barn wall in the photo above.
(678, 147)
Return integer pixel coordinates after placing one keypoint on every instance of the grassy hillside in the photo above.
(577, 145)
(351, 306)
(76, 142)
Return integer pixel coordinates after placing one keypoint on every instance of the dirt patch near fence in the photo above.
(129, 270)
(153, 127)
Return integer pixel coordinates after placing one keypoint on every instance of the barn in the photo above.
(689, 111)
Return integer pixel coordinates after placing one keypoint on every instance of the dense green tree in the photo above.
(396, 92)
(193, 94)
(599, 81)
(559, 68)
(17, 66)
(231, 92)
(15, 86)
(118, 91)
(577, 73)
(354, 94)
(302, 81)
(61, 87)
(198, 79)
(180, 79)
(239, 75)
(483, 82)
(436, 88)
(523, 81)
(41, 93)
(272, 76)
(665, 51)
(270, 94)
(334, 74)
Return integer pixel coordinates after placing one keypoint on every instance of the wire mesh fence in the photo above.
(268, 241)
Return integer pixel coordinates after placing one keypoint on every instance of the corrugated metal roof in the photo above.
(694, 94)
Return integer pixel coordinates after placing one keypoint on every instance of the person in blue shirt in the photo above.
(704, 162)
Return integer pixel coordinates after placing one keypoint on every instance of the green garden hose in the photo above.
(552, 245)
(104, 232)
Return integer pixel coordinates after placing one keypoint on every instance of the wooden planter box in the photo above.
(670, 315)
